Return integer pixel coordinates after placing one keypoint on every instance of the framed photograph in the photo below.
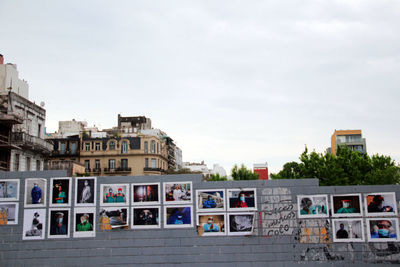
(348, 205)
(383, 229)
(34, 224)
(210, 200)
(178, 216)
(84, 222)
(348, 230)
(146, 217)
(380, 204)
(177, 192)
(85, 191)
(146, 194)
(114, 194)
(35, 192)
(241, 223)
(242, 199)
(312, 206)
(60, 192)
(9, 189)
(211, 224)
(9, 213)
(59, 223)
(112, 218)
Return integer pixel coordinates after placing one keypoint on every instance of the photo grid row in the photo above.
(349, 210)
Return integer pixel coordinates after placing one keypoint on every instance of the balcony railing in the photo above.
(31, 142)
(96, 170)
(149, 169)
(117, 170)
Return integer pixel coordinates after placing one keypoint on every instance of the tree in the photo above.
(217, 177)
(243, 173)
(346, 168)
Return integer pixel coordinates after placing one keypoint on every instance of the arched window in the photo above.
(146, 147)
(124, 147)
(111, 145)
(153, 147)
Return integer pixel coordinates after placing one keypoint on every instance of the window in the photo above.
(154, 163)
(124, 164)
(146, 147)
(153, 147)
(124, 147)
(38, 165)
(73, 148)
(39, 130)
(16, 163)
(97, 164)
(158, 147)
(87, 165)
(146, 162)
(87, 146)
(28, 163)
(62, 148)
(97, 146)
(112, 145)
(111, 164)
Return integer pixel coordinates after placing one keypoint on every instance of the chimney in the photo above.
(1, 59)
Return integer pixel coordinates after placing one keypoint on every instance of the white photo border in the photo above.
(178, 225)
(380, 214)
(127, 196)
(347, 240)
(43, 220)
(301, 216)
(16, 211)
(145, 203)
(210, 209)
(51, 204)
(158, 226)
(44, 193)
(77, 234)
(49, 223)
(240, 233)
(338, 215)
(107, 208)
(241, 209)
(382, 239)
(178, 202)
(18, 188)
(94, 192)
(211, 214)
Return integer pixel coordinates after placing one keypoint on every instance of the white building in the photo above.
(9, 78)
(68, 128)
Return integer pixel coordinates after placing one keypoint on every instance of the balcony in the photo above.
(119, 170)
(25, 140)
(149, 169)
(96, 170)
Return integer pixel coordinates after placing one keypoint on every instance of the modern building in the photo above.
(262, 170)
(25, 119)
(350, 138)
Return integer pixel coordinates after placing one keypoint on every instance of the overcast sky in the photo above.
(230, 81)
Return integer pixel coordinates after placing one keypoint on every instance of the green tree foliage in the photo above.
(243, 173)
(217, 177)
(346, 168)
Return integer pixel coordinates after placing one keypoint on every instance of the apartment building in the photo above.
(350, 138)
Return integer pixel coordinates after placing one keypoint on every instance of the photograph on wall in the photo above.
(380, 204)
(177, 192)
(146, 194)
(112, 218)
(34, 224)
(312, 206)
(35, 192)
(9, 190)
(114, 194)
(9, 213)
(178, 216)
(84, 222)
(210, 200)
(59, 223)
(348, 230)
(242, 199)
(60, 191)
(210, 224)
(348, 205)
(382, 229)
(146, 217)
(85, 191)
(240, 223)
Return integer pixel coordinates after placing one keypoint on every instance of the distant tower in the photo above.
(262, 170)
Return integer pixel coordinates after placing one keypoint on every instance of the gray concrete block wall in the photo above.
(280, 238)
